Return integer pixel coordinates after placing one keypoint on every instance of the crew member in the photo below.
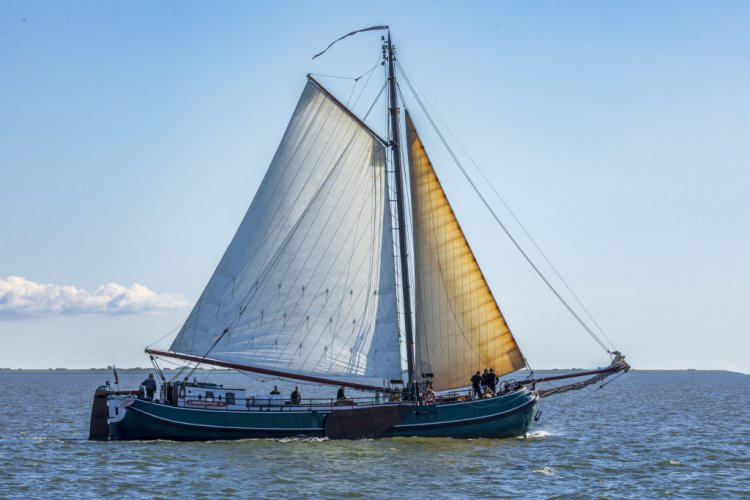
(493, 380)
(429, 395)
(485, 380)
(340, 396)
(275, 390)
(296, 396)
(150, 385)
(476, 385)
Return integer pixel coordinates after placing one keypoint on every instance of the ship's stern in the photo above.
(108, 408)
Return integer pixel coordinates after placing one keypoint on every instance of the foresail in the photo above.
(459, 326)
(307, 285)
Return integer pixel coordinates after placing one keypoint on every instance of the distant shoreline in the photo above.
(100, 370)
(221, 370)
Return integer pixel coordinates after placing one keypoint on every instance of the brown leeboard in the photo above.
(99, 427)
(364, 423)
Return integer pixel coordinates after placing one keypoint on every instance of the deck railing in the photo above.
(269, 402)
(275, 402)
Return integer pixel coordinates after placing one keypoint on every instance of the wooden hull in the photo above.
(509, 415)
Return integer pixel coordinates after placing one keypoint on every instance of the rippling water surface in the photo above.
(644, 435)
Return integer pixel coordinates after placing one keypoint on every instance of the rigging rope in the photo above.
(497, 219)
(165, 336)
(364, 87)
(355, 78)
(373, 102)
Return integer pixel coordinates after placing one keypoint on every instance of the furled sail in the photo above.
(459, 326)
(307, 285)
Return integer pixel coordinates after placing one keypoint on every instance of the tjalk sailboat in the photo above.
(313, 288)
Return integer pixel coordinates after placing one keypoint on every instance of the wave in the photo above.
(536, 435)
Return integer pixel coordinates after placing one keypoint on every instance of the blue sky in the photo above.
(134, 135)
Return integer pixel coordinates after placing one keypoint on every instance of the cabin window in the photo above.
(230, 398)
(209, 394)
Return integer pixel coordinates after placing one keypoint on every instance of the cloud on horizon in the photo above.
(24, 299)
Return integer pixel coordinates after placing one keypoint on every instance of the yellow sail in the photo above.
(459, 326)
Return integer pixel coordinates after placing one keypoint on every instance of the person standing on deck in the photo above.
(340, 396)
(150, 385)
(493, 381)
(275, 390)
(429, 397)
(485, 380)
(296, 397)
(476, 385)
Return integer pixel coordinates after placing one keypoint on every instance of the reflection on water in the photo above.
(647, 434)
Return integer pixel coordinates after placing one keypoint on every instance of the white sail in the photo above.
(459, 326)
(307, 285)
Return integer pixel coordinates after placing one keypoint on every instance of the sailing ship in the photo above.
(314, 287)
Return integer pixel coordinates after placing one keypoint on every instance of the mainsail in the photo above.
(307, 285)
(459, 326)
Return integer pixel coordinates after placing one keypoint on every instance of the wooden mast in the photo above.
(398, 173)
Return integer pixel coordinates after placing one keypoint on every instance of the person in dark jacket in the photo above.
(150, 385)
(296, 396)
(476, 385)
(485, 380)
(493, 380)
(275, 391)
(340, 396)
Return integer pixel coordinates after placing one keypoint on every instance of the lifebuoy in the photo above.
(429, 398)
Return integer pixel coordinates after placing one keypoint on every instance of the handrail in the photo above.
(252, 401)
(284, 403)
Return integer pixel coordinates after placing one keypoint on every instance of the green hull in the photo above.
(499, 417)
(503, 416)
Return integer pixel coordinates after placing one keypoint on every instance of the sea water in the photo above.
(645, 435)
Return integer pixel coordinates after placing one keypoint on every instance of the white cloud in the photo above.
(21, 298)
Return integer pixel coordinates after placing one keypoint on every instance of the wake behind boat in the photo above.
(308, 290)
